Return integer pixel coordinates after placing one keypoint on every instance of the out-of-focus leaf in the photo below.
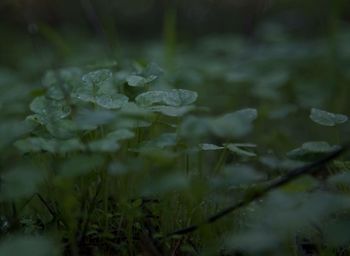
(62, 129)
(194, 128)
(172, 111)
(209, 147)
(237, 175)
(80, 165)
(164, 140)
(234, 124)
(104, 145)
(12, 130)
(20, 182)
(28, 245)
(174, 97)
(148, 75)
(89, 119)
(312, 150)
(50, 109)
(121, 134)
(326, 118)
(117, 168)
(37, 144)
(254, 241)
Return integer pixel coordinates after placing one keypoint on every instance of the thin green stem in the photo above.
(221, 161)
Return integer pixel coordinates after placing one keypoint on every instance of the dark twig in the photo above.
(275, 184)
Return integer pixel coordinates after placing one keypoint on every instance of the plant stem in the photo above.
(221, 161)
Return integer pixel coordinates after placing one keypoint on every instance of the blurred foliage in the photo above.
(108, 143)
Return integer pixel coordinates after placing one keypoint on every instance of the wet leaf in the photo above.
(96, 78)
(50, 109)
(174, 97)
(326, 118)
(111, 101)
(312, 150)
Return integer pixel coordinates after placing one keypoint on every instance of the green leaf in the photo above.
(11, 131)
(111, 101)
(194, 128)
(117, 168)
(256, 242)
(89, 119)
(49, 109)
(104, 145)
(209, 147)
(80, 165)
(153, 71)
(326, 118)
(174, 97)
(67, 146)
(312, 151)
(38, 144)
(133, 110)
(61, 81)
(172, 111)
(238, 149)
(98, 89)
(121, 134)
(163, 141)
(145, 76)
(35, 144)
(20, 182)
(341, 180)
(136, 81)
(235, 124)
(62, 129)
(237, 175)
(28, 245)
(96, 78)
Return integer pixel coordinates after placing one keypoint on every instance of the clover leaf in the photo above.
(311, 150)
(235, 124)
(50, 109)
(326, 118)
(209, 147)
(174, 97)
